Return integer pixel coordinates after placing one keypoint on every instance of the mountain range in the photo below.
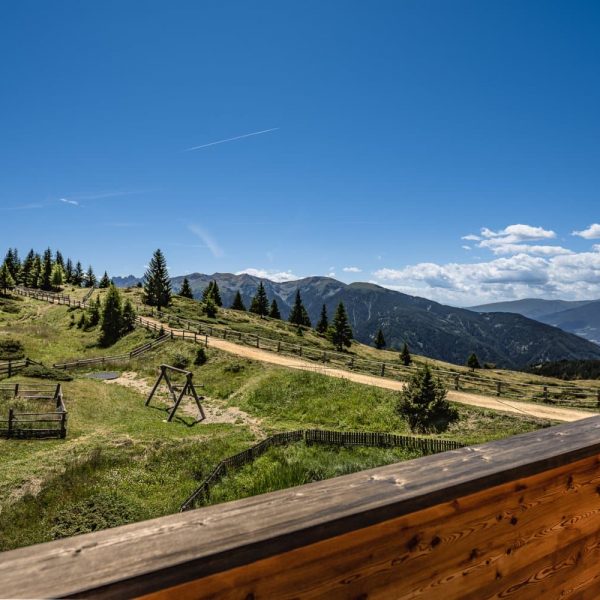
(431, 329)
(579, 317)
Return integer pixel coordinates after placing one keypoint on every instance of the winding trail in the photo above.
(529, 409)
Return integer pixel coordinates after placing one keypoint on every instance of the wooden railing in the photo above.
(517, 518)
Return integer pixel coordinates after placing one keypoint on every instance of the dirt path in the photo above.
(512, 406)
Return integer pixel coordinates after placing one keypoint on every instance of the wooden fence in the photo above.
(316, 436)
(38, 424)
(515, 518)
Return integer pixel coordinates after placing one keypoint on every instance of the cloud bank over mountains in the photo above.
(526, 262)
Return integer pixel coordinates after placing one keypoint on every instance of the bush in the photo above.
(11, 349)
(180, 361)
(233, 368)
(423, 404)
(201, 357)
(43, 372)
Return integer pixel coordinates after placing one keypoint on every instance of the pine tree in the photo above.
(238, 303)
(323, 323)
(45, 279)
(299, 316)
(27, 268)
(423, 403)
(209, 307)
(78, 275)
(58, 277)
(216, 294)
(13, 264)
(36, 272)
(58, 259)
(90, 278)
(207, 291)
(473, 362)
(69, 270)
(340, 332)
(260, 302)
(157, 283)
(274, 310)
(111, 323)
(128, 317)
(380, 340)
(405, 357)
(94, 313)
(186, 291)
(105, 281)
(6, 279)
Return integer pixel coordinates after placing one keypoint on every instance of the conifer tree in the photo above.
(58, 277)
(216, 294)
(6, 279)
(94, 313)
(323, 323)
(69, 270)
(260, 302)
(90, 278)
(78, 275)
(405, 357)
(45, 279)
(26, 268)
(238, 303)
(128, 317)
(380, 340)
(207, 292)
(36, 272)
(13, 264)
(299, 316)
(209, 307)
(104, 281)
(186, 291)
(111, 322)
(473, 362)
(274, 310)
(157, 283)
(340, 332)
(58, 259)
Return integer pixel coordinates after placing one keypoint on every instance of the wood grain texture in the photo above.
(522, 512)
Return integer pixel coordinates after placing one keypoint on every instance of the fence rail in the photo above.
(316, 436)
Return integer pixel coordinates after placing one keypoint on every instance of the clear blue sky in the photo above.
(397, 128)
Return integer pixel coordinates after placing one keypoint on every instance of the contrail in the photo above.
(238, 137)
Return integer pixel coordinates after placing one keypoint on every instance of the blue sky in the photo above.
(391, 130)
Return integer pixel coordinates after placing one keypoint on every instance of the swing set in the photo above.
(177, 392)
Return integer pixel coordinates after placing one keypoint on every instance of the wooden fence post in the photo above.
(457, 382)
(9, 367)
(545, 394)
(383, 369)
(279, 350)
(300, 350)
(498, 388)
(257, 342)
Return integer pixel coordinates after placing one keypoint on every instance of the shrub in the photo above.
(233, 368)
(423, 403)
(11, 349)
(201, 357)
(179, 360)
(43, 372)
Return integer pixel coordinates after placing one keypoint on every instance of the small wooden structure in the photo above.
(177, 392)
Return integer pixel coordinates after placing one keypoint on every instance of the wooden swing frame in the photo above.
(187, 389)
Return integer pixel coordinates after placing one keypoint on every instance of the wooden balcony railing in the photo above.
(517, 518)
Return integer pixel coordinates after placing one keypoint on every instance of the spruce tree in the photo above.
(111, 323)
(473, 362)
(90, 278)
(27, 268)
(185, 291)
(260, 302)
(58, 277)
(207, 291)
(69, 270)
(299, 316)
(340, 332)
(6, 279)
(157, 283)
(423, 403)
(405, 357)
(209, 307)
(13, 264)
(380, 340)
(128, 317)
(45, 279)
(36, 272)
(216, 294)
(78, 275)
(105, 281)
(94, 313)
(58, 259)
(323, 323)
(238, 303)
(274, 310)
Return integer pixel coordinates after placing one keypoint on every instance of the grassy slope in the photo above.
(122, 462)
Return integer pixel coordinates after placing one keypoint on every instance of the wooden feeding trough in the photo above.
(32, 411)
(177, 392)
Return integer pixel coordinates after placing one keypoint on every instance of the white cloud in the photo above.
(331, 274)
(207, 239)
(465, 247)
(67, 201)
(471, 238)
(352, 270)
(277, 276)
(591, 233)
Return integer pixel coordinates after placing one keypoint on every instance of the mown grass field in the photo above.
(122, 462)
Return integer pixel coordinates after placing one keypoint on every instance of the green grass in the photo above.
(122, 462)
